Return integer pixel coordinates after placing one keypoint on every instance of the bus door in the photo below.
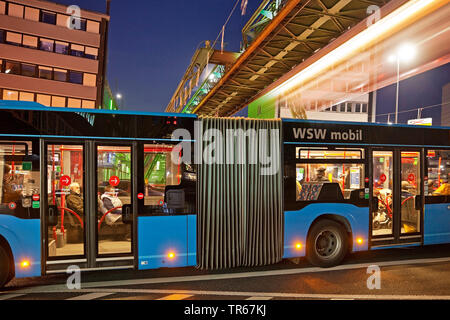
(89, 219)
(397, 186)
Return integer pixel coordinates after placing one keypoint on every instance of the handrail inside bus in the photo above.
(104, 215)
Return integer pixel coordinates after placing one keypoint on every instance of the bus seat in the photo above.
(331, 192)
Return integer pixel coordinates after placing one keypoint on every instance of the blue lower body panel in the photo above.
(298, 223)
(163, 241)
(437, 223)
(24, 238)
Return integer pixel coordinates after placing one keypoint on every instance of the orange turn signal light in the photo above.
(171, 255)
(25, 264)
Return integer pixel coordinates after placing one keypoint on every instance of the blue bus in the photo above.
(109, 190)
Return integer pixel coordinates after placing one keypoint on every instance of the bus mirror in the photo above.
(52, 216)
(127, 214)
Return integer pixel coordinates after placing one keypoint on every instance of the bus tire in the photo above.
(327, 244)
(5, 267)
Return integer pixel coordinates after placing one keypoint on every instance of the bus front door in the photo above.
(397, 185)
(89, 218)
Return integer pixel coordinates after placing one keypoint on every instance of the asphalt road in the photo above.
(408, 273)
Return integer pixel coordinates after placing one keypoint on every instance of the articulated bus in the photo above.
(103, 190)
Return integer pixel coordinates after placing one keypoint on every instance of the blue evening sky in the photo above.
(151, 43)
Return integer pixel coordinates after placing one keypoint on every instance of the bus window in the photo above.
(438, 173)
(324, 153)
(114, 191)
(19, 180)
(65, 191)
(160, 173)
(383, 190)
(350, 177)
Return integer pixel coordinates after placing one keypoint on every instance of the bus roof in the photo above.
(25, 105)
(362, 123)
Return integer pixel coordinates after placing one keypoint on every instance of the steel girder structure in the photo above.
(297, 30)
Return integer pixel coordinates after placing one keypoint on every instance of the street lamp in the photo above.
(119, 98)
(405, 53)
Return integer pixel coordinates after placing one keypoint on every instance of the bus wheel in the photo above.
(327, 244)
(5, 271)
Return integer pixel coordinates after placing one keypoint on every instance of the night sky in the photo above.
(151, 43)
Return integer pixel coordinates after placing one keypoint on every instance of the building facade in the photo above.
(52, 54)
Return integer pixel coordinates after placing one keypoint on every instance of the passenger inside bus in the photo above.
(321, 175)
(74, 199)
(111, 204)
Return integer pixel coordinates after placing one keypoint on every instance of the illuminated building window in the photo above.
(14, 38)
(43, 99)
(89, 80)
(15, 10)
(26, 96)
(58, 102)
(31, 14)
(61, 20)
(88, 104)
(74, 103)
(93, 27)
(10, 95)
(30, 42)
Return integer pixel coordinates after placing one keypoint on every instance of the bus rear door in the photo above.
(398, 185)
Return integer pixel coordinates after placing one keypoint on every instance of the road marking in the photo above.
(92, 296)
(63, 288)
(226, 276)
(259, 298)
(260, 295)
(176, 297)
(10, 296)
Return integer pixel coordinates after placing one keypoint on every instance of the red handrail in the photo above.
(411, 197)
(103, 217)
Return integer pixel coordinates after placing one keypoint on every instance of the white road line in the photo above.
(261, 294)
(92, 296)
(226, 276)
(259, 298)
(10, 296)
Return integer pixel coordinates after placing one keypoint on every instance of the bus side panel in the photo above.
(159, 236)
(192, 240)
(437, 223)
(298, 223)
(24, 238)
